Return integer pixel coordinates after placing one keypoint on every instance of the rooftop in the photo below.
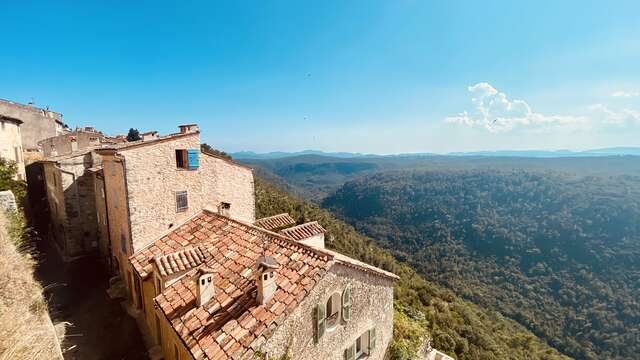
(233, 323)
(275, 222)
(304, 231)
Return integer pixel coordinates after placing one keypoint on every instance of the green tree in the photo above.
(8, 170)
(204, 147)
(133, 135)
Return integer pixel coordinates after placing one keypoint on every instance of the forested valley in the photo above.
(423, 309)
(559, 254)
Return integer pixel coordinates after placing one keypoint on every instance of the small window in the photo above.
(181, 159)
(333, 310)
(182, 201)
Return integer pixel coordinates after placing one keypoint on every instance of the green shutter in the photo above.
(320, 321)
(350, 353)
(372, 339)
(346, 303)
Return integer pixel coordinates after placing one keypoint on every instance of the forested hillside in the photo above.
(423, 309)
(559, 254)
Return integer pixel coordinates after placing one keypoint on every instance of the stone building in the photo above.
(11, 143)
(73, 141)
(37, 124)
(70, 189)
(151, 185)
(214, 287)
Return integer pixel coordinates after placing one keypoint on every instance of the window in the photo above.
(333, 310)
(182, 201)
(364, 345)
(187, 159)
(181, 159)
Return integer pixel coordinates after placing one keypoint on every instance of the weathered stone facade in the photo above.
(71, 194)
(11, 143)
(69, 142)
(372, 307)
(38, 124)
(152, 181)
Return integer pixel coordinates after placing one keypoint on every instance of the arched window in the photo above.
(333, 310)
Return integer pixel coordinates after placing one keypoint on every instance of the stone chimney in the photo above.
(224, 209)
(150, 135)
(266, 278)
(187, 128)
(204, 285)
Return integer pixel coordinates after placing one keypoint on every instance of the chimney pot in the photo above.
(204, 285)
(266, 278)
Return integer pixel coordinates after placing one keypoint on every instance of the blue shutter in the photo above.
(194, 160)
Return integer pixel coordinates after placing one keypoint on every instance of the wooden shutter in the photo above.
(346, 303)
(320, 321)
(350, 352)
(372, 339)
(194, 160)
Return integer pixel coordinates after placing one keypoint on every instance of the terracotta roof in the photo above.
(232, 323)
(275, 221)
(304, 231)
(180, 261)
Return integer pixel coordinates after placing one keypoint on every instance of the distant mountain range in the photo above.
(614, 151)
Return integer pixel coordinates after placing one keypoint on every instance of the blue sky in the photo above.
(367, 76)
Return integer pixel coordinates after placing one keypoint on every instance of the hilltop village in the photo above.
(175, 228)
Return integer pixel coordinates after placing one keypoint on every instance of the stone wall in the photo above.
(11, 145)
(72, 185)
(153, 179)
(118, 212)
(7, 200)
(63, 144)
(102, 231)
(38, 124)
(372, 306)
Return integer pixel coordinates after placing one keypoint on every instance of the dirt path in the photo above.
(76, 292)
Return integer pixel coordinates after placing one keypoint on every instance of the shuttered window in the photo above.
(194, 158)
(346, 303)
(320, 321)
(350, 353)
(182, 201)
(372, 340)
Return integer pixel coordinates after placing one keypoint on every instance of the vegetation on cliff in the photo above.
(559, 254)
(423, 309)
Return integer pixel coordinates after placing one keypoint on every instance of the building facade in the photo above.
(72, 141)
(11, 143)
(152, 185)
(219, 288)
(70, 190)
(38, 124)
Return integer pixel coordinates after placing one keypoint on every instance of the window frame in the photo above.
(179, 207)
(182, 159)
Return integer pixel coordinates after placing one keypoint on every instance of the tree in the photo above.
(204, 147)
(133, 135)
(8, 171)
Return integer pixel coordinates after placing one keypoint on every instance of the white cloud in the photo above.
(495, 112)
(626, 94)
(616, 117)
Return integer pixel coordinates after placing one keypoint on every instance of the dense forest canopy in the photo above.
(559, 254)
(422, 309)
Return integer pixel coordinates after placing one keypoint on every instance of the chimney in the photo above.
(204, 285)
(266, 278)
(150, 135)
(224, 209)
(188, 128)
